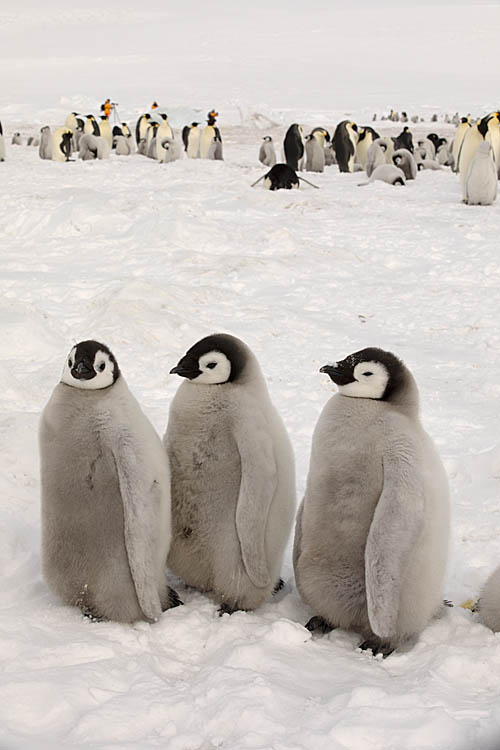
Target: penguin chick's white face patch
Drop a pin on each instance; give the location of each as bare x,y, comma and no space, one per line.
370,381
88,375
215,368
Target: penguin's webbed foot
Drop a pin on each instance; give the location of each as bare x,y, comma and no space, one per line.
318,623
377,647
173,599
226,609
448,603
278,586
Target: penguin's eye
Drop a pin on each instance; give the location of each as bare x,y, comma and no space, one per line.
368,374
70,363
101,367
211,365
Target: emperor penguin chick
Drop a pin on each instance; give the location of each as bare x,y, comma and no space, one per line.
267,153
371,536
489,602
233,479
105,494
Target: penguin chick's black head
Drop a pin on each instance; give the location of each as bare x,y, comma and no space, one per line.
90,365
219,358
370,373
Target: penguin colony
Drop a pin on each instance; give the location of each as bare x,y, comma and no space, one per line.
214,502
352,148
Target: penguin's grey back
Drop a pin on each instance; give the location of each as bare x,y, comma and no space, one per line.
83,534
489,602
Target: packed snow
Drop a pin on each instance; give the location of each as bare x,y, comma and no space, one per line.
149,258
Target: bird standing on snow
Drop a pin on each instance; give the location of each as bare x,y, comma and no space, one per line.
371,535
233,479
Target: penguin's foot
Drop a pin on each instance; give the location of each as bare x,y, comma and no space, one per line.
278,586
226,609
377,647
318,623
448,603
173,598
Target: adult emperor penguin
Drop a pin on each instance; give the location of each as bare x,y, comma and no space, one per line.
2,144
105,494
482,180
106,132
461,130
344,142
372,532
489,602
485,129
164,131
45,147
141,127
294,147
91,126
403,159
267,152
191,140
71,122
315,150
366,137
210,140
404,140
61,144
233,479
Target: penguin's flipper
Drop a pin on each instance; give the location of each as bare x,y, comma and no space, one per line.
139,502
257,488
394,530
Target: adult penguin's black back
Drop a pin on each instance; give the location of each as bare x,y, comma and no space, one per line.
344,143
293,146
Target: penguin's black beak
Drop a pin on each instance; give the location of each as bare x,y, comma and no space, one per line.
83,371
330,370
185,372
339,376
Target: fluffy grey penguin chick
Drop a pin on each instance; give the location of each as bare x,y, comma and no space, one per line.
371,535
489,602
233,478
105,494
386,173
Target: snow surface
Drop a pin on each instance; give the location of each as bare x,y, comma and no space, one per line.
149,258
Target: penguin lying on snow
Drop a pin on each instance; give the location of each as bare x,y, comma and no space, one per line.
105,494
482,181
371,534
386,173
428,164
233,478
489,602
281,176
